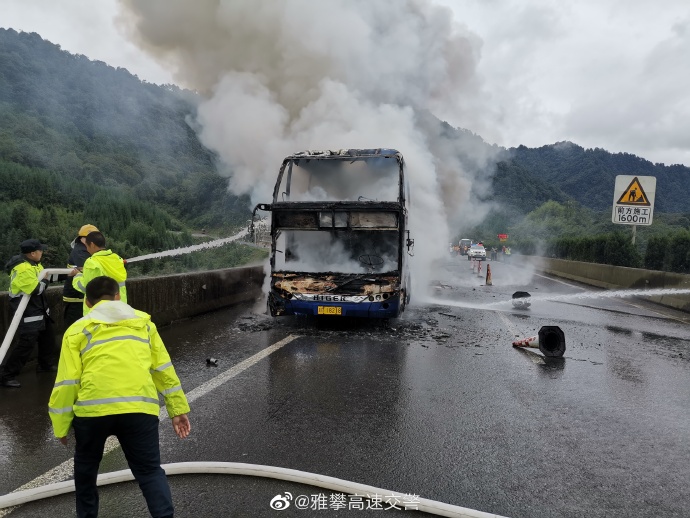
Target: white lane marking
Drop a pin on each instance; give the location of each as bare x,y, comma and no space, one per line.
536,358
65,470
665,315
514,330
216,382
558,280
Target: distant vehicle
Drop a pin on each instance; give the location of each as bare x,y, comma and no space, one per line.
465,243
339,235
477,252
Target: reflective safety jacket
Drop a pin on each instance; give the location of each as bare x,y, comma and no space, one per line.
24,280
113,362
77,258
103,262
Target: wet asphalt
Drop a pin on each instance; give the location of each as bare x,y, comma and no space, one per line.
436,404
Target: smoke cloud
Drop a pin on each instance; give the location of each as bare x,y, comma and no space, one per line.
282,76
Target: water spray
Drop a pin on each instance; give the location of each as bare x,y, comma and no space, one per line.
189,249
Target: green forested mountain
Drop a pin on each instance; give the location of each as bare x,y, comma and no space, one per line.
588,175
516,186
81,141
524,178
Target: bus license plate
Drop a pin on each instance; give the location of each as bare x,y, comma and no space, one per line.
329,310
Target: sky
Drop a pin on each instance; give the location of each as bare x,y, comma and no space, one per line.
611,74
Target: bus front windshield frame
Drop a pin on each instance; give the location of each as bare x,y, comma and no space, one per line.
356,179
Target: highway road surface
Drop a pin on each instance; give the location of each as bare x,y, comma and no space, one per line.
436,405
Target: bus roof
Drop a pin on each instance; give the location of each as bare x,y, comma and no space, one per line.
329,153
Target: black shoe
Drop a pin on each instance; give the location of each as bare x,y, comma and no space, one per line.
49,368
10,382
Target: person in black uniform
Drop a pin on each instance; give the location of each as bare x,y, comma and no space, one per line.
35,325
73,299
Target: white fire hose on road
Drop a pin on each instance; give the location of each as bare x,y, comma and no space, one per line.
254,470
20,310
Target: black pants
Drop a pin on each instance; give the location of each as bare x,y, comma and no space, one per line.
138,436
27,339
73,312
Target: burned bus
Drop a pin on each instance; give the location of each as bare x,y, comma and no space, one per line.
339,236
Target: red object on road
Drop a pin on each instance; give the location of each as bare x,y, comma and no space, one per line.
532,341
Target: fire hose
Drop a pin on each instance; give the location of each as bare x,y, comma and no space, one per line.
254,470
20,310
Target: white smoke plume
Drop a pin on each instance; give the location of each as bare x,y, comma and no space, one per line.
282,76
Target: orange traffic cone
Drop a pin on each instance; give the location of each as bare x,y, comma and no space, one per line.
550,341
488,276
479,268
532,341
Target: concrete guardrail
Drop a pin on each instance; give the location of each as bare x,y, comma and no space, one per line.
172,297
618,277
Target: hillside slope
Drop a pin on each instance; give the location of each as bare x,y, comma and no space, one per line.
82,141
588,175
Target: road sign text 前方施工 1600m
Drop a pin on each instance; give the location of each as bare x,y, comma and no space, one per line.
633,200
632,216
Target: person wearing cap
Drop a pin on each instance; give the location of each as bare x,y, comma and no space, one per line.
35,325
73,299
101,262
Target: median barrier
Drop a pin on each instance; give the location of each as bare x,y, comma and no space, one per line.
618,277
171,297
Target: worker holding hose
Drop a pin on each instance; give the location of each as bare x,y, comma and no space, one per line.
113,364
36,324
100,262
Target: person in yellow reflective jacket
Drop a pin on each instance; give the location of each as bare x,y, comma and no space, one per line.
102,262
113,364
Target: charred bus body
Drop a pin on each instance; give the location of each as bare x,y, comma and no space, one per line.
339,237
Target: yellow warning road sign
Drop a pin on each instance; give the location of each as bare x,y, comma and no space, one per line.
634,195
633,200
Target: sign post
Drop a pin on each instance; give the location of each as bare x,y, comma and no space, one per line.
633,201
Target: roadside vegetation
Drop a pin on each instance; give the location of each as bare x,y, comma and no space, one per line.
569,231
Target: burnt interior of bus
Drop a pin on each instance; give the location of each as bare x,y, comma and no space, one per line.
341,251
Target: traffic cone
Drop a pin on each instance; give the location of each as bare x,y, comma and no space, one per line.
550,341
488,276
479,268
474,266
532,341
